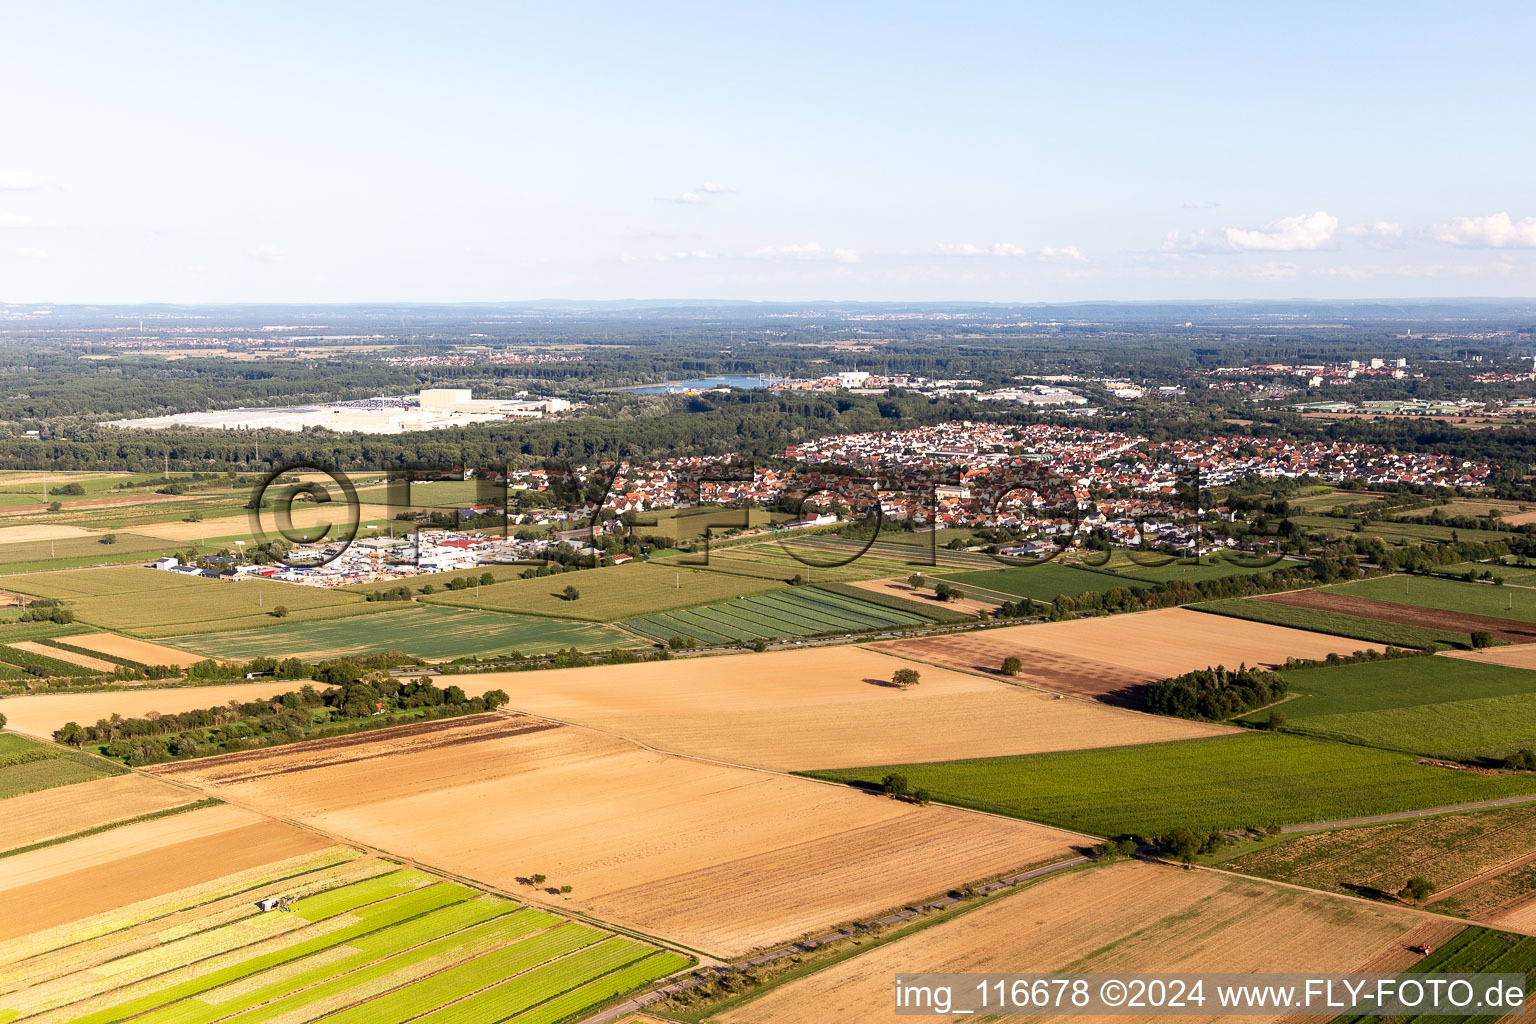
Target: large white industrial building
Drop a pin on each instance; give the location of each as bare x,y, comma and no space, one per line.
431,409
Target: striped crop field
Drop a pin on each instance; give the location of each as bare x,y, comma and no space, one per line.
800,611
366,941
425,631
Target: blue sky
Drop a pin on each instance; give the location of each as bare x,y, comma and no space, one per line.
1020,152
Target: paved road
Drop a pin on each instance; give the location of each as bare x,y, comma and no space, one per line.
694,977
1402,815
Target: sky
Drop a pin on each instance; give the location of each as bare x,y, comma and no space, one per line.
1020,152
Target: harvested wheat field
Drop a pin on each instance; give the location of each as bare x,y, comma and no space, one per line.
38,817
1128,917
59,654
1111,657
142,651
717,858
40,714
42,531
304,517
1513,656
59,884
898,587
823,708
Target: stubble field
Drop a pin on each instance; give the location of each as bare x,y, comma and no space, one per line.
40,714
1129,918
824,708
716,858
39,817
1111,657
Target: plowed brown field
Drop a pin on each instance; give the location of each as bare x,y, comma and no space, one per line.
37,817
1509,630
1130,917
824,708
58,884
718,858
1111,657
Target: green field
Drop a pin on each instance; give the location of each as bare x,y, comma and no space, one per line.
1519,575
151,603
691,523
799,611
1373,631
1491,728
1446,595
1208,568
27,766
366,942
1446,848
1043,582
1399,683
607,595
1472,951
1392,532
1220,782
426,631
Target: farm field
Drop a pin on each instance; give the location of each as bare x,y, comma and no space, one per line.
305,517
1514,656
1209,568
1398,683
141,651
798,611
1129,917
1511,513
1392,531
1502,630
607,595
42,816
41,531
1044,582
1449,850
85,661
1519,575
690,524
713,857
45,888
1445,595
42,713
1474,950
823,708
151,603
431,632
366,941
1253,779
1485,730
971,604
30,767
1110,658
1319,620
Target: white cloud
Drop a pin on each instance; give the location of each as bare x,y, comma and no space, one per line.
1289,234
267,253
687,199
1203,204
807,251
686,254
1496,231
15,182
715,188
967,249
1066,254
15,220
1380,234
1275,271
